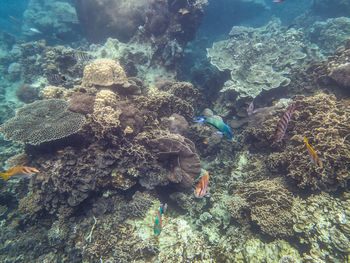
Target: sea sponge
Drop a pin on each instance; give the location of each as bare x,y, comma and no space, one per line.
104,72
42,121
81,103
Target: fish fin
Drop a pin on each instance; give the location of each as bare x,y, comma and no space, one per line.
4,176
219,132
200,119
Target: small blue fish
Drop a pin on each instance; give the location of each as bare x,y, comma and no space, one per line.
222,127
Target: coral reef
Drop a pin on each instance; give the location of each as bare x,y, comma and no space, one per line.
322,222
329,35
42,121
103,73
257,58
267,203
321,119
57,20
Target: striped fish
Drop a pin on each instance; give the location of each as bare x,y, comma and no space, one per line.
81,56
282,124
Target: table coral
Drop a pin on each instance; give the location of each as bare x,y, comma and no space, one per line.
258,59
42,121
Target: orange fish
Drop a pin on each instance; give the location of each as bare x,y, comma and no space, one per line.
314,157
19,171
202,186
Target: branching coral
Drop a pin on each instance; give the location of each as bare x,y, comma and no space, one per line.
268,203
105,114
323,120
42,121
163,104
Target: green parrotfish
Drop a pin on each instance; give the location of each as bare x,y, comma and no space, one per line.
222,127
158,226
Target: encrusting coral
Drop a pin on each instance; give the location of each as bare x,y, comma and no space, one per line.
42,121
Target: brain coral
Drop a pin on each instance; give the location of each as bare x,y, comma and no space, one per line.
42,121
104,72
258,59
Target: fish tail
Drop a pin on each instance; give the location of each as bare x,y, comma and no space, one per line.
4,176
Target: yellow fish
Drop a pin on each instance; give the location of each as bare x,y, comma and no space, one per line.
314,157
18,171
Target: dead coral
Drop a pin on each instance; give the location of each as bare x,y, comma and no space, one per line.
268,203
122,245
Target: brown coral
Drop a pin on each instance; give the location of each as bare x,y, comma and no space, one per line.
181,156
104,73
81,103
105,114
269,204
323,120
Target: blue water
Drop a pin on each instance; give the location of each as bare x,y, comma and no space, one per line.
98,98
